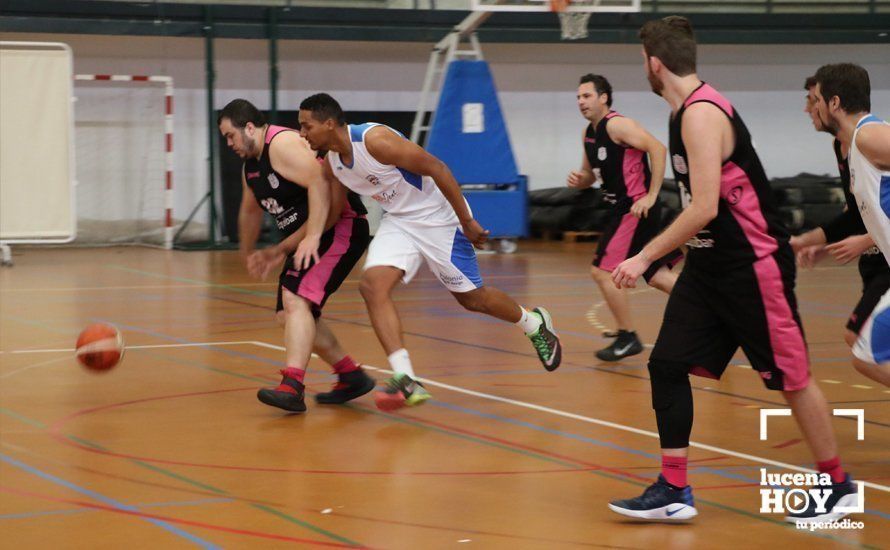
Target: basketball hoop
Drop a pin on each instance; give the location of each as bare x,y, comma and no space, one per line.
573,23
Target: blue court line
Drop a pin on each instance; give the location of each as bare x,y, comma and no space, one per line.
201,502
600,443
107,500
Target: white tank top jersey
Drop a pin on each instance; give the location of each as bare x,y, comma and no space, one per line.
871,187
402,194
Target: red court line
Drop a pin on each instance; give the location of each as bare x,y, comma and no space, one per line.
707,459
56,431
192,523
788,443
591,465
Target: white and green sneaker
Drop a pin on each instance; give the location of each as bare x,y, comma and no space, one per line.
401,391
546,341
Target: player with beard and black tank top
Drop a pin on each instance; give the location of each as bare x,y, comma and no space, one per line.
846,237
843,102
622,151
324,235
736,288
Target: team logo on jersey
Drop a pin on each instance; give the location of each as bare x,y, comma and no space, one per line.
589,140
680,164
734,195
252,175
271,206
273,181
601,153
373,180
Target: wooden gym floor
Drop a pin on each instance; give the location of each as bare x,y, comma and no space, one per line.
171,448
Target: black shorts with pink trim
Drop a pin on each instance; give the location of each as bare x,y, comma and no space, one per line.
340,249
709,315
625,235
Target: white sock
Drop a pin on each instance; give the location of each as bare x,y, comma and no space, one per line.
528,323
401,363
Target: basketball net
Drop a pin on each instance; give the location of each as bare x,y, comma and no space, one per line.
572,23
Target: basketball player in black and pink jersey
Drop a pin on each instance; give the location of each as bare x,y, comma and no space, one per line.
324,235
736,289
622,151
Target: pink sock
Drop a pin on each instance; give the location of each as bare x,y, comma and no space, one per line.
295,373
673,468
833,468
345,365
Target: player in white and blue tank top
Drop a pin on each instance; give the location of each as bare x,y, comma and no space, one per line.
427,220
843,103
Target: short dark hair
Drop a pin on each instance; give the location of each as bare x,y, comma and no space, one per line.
600,84
240,112
671,40
809,82
847,81
324,107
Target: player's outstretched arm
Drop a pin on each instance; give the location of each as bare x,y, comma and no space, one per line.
628,132
583,178
292,157
704,134
250,220
387,147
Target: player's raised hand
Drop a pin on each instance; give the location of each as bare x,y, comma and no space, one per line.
641,207
577,180
809,256
628,271
850,248
261,262
307,251
475,233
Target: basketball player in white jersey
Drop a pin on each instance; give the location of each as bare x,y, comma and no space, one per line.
427,220
843,103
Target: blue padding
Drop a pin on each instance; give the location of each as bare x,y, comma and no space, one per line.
357,131
885,194
463,257
867,120
475,158
880,337
412,178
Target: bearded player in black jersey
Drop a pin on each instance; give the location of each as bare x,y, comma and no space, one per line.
325,234
845,238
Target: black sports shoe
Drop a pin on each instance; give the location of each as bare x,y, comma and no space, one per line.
843,494
289,395
349,386
661,501
545,341
626,344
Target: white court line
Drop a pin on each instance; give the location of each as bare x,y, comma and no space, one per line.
606,423
150,346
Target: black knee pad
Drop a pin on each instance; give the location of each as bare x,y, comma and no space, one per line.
670,383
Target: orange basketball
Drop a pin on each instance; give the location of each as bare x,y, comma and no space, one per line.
100,347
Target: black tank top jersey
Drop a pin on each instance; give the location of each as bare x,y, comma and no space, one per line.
872,261
624,170
286,201
747,226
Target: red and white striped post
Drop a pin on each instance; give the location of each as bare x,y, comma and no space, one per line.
167,81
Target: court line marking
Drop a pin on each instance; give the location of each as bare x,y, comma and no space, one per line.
111,504
490,397
147,346
600,422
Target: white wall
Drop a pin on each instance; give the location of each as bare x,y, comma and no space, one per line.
536,82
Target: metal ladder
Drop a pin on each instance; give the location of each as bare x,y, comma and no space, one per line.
445,51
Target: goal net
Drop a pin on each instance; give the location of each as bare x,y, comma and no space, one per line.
123,143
